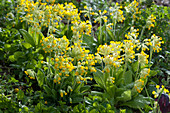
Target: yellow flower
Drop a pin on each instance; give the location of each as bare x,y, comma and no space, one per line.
26,72
16,90
157,86
45,102
55,81
153,92
61,94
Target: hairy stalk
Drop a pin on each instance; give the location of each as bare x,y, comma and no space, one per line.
105,33
68,26
100,40
115,29
137,71
151,51
48,32
143,29
125,69
148,96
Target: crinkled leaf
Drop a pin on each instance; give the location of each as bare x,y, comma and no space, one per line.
128,77
138,102
28,38
40,78
27,45
125,96
99,78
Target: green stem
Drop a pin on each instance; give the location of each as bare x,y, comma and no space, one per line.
68,27
140,110
48,32
151,50
125,69
49,65
115,29
148,96
143,29
137,70
100,40
105,33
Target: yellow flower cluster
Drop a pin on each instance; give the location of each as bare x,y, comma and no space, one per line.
51,43
150,22
29,75
132,35
139,84
128,49
110,55
159,90
116,13
40,14
132,6
88,12
80,28
155,42
142,58
101,16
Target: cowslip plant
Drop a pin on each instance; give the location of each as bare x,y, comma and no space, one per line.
68,65
63,74
121,76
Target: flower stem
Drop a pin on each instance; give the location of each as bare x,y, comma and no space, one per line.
115,29
151,50
148,96
68,26
100,40
142,32
137,70
125,69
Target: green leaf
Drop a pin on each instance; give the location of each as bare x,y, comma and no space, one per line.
135,66
27,37
152,73
119,77
20,95
125,96
18,54
27,45
128,77
47,89
85,88
96,93
123,30
12,58
99,78
40,78
138,102
88,100
111,90
40,57
7,46
89,40
93,111
34,35
110,34
77,98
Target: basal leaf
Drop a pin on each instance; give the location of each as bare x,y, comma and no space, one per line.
27,37
138,102
99,78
